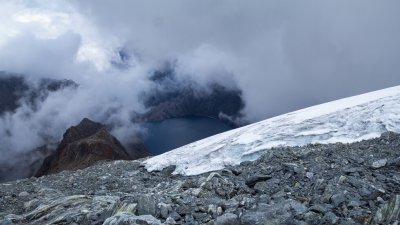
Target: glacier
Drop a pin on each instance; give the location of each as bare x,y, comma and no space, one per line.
346,120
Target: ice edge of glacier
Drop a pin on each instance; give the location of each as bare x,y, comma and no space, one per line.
346,120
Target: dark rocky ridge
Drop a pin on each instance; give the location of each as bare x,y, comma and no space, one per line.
355,183
11,89
82,146
172,98
14,88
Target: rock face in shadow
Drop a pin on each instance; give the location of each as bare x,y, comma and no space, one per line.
15,89
171,98
11,88
82,146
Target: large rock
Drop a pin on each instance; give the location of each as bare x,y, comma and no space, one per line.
81,209
82,146
389,213
215,183
130,219
227,219
278,213
147,205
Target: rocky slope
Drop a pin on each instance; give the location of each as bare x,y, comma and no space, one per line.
170,97
82,146
356,183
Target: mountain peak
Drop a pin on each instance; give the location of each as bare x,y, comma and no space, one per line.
82,146
84,129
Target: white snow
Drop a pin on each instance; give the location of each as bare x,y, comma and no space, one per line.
346,120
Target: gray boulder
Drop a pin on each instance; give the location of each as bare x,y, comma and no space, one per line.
130,219
227,219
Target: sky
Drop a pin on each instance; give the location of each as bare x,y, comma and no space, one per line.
283,55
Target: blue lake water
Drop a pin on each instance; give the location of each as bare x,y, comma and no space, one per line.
172,133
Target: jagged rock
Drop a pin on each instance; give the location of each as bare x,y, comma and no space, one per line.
309,175
342,179
215,183
23,194
253,218
168,170
175,216
379,163
81,209
396,162
252,180
227,219
147,205
268,186
126,207
320,208
338,199
389,213
278,213
170,221
82,146
330,218
164,210
130,219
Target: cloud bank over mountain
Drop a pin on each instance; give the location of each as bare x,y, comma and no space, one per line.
282,55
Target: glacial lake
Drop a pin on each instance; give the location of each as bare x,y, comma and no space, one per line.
172,133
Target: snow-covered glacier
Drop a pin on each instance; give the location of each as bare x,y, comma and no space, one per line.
346,120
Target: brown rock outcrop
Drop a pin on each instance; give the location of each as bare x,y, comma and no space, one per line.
82,146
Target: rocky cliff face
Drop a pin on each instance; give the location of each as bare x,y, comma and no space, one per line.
356,183
15,89
82,146
11,89
171,98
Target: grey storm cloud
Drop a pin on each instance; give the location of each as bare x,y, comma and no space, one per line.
283,55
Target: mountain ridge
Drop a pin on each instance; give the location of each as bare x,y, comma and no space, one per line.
82,146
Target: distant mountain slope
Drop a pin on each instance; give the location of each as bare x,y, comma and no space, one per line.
15,88
346,120
170,97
